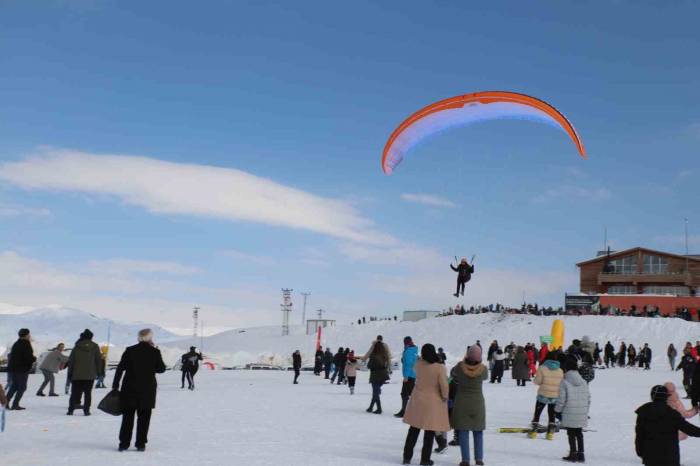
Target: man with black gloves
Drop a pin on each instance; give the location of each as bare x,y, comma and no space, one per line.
657,429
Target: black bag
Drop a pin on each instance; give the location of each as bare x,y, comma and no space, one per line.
111,403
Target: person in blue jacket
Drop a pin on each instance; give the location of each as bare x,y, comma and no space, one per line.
408,361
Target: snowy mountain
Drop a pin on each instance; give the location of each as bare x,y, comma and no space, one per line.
454,334
52,325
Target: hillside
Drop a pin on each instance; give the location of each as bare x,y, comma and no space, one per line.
59,324
454,333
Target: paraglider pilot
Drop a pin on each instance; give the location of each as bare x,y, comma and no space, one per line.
464,274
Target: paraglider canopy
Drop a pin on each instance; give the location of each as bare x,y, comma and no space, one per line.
469,108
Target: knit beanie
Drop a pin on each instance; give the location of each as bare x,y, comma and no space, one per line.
23,332
474,353
659,393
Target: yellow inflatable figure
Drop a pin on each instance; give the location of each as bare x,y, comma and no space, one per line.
557,335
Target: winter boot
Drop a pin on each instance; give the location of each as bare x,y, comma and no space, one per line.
479,463
40,393
371,407
581,457
404,402
352,390
464,463
441,444
572,458
534,428
379,408
53,394
454,442
550,431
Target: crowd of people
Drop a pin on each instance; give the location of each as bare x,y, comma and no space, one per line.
86,365
439,402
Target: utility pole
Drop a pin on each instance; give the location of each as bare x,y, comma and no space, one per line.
320,314
195,319
303,310
286,309
201,338
687,252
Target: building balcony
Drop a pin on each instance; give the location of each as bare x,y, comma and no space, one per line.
680,278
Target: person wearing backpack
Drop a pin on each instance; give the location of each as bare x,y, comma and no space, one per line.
378,362
548,377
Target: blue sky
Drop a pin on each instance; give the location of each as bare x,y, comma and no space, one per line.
158,155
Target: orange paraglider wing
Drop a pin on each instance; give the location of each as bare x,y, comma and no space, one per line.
470,108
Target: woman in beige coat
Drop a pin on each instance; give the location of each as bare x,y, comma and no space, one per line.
548,377
427,408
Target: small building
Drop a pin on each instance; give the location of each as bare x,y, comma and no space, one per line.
641,271
415,316
638,278
312,325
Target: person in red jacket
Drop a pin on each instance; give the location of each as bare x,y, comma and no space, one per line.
543,353
531,360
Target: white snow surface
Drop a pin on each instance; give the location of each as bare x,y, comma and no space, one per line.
257,418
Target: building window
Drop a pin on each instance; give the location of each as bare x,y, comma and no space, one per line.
667,290
624,265
622,289
655,264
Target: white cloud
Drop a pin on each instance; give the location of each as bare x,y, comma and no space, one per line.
13,210
406,255
124,293
257,259
131,266
567,192
188,189
487,286
428,199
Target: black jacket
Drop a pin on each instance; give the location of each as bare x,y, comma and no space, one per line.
464,271
190,361
296,360
327,358
657,434
21,357
609,351
141,363
339,359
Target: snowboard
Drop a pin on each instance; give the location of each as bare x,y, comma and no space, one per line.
527,430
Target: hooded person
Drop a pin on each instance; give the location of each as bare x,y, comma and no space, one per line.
657,430
572,406
139,365
427,408
85,360
464,274
548,377
408,361
20,361
469,409
351,371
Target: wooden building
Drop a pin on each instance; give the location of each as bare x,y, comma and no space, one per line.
641,271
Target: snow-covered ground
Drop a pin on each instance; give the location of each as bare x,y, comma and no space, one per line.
259,418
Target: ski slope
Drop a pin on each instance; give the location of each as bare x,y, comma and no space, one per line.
453,333
257,418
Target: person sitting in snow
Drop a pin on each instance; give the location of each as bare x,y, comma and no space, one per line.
464,274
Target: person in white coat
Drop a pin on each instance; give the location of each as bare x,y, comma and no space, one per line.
572,407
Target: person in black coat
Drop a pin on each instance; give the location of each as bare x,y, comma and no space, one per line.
296,364
139,364
688,365
338,363
464,274
19,365
646,356
327,362
657,429
609,355
318,361
190,366
695,386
